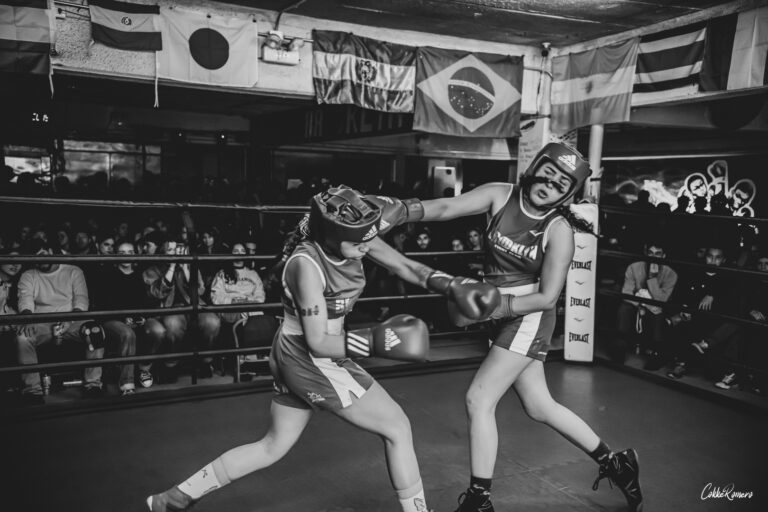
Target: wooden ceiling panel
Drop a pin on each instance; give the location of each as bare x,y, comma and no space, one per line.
560,22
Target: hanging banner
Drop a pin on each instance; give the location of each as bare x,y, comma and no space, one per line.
207,49
580,287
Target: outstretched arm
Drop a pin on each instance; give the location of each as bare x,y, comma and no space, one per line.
473,299
488,198
405,268
483,199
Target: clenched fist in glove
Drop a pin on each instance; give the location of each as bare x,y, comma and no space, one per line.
396,211
402,337
473,299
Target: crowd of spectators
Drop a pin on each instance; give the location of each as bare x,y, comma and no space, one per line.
130,285
687,329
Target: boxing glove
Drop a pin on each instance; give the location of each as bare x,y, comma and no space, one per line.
473,299
396,211
402,337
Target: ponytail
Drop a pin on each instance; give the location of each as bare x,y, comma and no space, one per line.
576,222
295,237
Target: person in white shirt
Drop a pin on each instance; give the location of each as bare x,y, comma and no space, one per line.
55,288
237,283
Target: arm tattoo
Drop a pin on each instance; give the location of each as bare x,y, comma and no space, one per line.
311,311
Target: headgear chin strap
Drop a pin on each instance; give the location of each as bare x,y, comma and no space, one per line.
569,161
342,214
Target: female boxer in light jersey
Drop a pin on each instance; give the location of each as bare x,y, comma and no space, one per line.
528,249
322,278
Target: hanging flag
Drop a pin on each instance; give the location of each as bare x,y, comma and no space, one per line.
349,69
125,26
208,49
593,87
26,28
668,64
468,94
736,51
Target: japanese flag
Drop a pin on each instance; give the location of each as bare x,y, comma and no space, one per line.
208,49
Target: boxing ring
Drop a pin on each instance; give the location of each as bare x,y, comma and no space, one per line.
111,453
111,460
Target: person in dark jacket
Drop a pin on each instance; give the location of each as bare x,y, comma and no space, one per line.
708,292
170,285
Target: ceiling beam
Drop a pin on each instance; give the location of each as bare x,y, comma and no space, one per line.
687,19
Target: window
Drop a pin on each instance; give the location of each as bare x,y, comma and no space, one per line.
27,159
117,160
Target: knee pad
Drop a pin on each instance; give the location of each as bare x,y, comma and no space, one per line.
93,334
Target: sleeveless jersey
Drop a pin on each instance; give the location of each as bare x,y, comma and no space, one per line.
514,242
343,282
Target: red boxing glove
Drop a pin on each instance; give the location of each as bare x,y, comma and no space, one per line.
474,300
396,211
402,337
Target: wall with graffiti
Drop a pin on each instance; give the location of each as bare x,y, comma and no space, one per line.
729,186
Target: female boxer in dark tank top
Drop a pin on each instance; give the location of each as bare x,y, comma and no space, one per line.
529,246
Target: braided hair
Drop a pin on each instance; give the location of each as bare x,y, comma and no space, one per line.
299,234
576,222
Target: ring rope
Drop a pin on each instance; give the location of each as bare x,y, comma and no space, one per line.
670,263
676,216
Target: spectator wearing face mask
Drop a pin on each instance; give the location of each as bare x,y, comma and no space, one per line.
709,291
120,287
644,324
236,283
749,352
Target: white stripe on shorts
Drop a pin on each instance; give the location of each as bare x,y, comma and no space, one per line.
526,334
341,380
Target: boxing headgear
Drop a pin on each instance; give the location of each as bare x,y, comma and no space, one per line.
342,214
569,161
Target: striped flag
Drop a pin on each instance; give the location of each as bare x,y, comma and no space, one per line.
736,51
349,69
125,26
594,86
26,28
668,64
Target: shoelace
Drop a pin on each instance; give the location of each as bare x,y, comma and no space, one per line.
460,500
602,472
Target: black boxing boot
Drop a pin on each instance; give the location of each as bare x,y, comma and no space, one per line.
475,500
622,469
